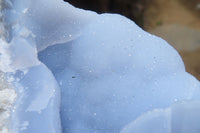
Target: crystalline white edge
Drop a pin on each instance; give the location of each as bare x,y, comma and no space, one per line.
7,97
104,70
7,92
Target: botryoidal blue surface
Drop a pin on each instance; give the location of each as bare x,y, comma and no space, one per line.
76,71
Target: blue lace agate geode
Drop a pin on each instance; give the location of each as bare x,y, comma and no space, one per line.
76,71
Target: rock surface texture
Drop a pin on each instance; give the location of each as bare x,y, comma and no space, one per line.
78,71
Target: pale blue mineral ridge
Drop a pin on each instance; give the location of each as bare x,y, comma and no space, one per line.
76,71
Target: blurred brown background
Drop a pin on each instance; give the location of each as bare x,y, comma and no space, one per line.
177,21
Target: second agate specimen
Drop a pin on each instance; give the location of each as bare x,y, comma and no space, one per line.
77,71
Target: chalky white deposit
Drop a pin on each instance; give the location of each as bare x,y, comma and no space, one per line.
77,71
7,97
